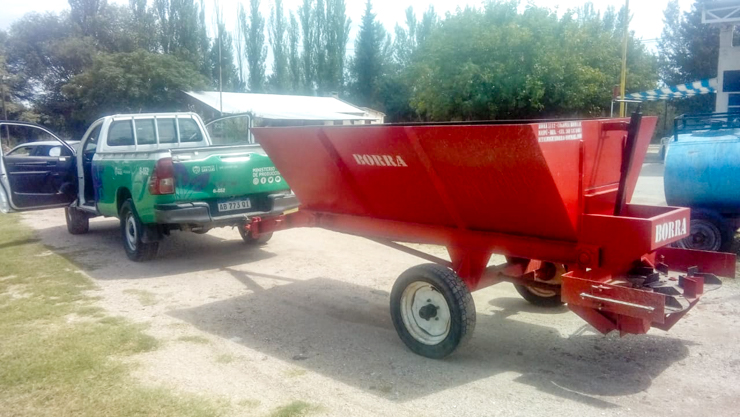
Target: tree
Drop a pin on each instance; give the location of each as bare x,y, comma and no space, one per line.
130,82
367,65
294,59
499,62
307,18
278,28
335,37
256,48
688,51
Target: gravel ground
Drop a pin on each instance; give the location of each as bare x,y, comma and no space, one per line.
306,318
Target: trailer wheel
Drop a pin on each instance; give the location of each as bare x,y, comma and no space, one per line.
709,232
132,233
432,310
539,297
251,240
78,222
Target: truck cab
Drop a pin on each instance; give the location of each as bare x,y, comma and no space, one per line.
156,172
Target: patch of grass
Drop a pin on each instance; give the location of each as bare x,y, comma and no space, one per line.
294,409
194,339
225,358
52,366
248,403
146,298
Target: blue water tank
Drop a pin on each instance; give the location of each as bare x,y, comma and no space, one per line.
702,170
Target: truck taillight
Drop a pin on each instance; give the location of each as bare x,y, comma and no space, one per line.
162,180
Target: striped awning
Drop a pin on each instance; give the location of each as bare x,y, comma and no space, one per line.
677,91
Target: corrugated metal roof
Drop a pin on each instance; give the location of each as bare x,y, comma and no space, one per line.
281,107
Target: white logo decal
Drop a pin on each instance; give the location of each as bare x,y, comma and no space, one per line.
670,230
219,190
196,170
256,181
263,180
144,170
278,178
380,160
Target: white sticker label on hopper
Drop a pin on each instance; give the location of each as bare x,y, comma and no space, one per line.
558,131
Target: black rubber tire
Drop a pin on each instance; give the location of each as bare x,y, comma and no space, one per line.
717,234
138,251
458,298
250,240
78,222
539,300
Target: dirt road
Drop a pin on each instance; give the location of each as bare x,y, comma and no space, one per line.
306,318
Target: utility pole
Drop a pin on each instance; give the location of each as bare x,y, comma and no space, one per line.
623,80
220,80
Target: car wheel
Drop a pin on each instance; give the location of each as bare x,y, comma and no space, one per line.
432,310
132,232
709,232
246,235
78,222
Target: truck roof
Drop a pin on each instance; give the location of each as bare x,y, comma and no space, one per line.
145,115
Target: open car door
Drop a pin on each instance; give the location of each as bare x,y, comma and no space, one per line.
37,169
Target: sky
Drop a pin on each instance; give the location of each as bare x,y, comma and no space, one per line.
647,21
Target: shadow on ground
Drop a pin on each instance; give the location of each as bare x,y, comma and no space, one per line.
344,332
100,252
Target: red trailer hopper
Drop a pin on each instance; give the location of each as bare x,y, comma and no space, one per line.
549,195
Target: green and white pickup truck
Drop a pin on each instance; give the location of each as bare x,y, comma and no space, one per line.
155,172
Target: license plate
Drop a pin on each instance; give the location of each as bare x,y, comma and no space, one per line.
232,205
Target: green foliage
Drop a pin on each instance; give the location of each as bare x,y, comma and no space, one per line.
280,51
294,58
370,59
256,48
500,63
133,82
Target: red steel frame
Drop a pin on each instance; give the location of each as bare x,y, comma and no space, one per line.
610,238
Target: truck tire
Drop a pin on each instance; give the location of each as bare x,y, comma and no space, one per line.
432,310
709,232
251,240
132,231
538,297
78,222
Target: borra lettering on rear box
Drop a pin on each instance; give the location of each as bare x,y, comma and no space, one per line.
669,230
380,160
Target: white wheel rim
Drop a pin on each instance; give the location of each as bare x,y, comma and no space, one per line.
425,313
541,293
131,232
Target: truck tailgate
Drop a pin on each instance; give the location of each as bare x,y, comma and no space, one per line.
223,172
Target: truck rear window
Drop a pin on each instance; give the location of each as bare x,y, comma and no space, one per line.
167,130
121,133
145,132
189,131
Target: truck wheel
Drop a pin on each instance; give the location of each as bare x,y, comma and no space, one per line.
539,297
132,231
78,222
251,240
709,232
432,310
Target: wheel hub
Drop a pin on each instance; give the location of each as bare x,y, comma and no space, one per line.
428,312
425,313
